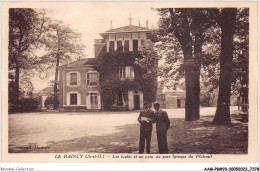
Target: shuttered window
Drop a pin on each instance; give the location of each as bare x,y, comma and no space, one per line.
93,100
92,78
73,78
73,99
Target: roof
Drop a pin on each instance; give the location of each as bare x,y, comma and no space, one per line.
98,48
177,90
82,62
77,63
91,61
45,92
129,28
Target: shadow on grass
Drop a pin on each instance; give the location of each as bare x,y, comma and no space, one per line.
184,137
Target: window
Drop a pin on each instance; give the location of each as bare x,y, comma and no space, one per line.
135,45
132,74
92,78
73,78
120,98
122,73
126,72
73,99
126,46
94,100
111,46
119,46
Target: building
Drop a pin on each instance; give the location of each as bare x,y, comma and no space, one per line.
78,86
81,87
174,98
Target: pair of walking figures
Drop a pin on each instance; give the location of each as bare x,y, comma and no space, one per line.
146,119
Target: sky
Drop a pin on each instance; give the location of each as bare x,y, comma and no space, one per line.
90,20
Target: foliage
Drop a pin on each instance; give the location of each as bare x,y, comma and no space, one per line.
60,40
110,84
49,101
26,26
204,24
182,34
211,52
240,70
149,60
26,105
201,21
61,45
208,97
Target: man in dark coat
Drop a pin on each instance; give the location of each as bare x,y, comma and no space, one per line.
145,119
162,125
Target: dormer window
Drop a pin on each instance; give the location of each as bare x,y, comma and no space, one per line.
111,46
126,72
119,46
126,46
135,45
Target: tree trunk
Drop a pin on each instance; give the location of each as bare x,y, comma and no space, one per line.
184,37
227,23
186,42
16,87
209,101
197,54
56,102
190,113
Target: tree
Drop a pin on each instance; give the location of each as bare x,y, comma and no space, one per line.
210,57
226,22
186,27
240,69
25,29
62,44
149,60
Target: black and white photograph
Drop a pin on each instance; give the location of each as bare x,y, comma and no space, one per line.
106,80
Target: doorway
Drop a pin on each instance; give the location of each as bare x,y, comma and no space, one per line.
137,102
178,103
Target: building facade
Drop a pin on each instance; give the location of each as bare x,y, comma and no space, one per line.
175,99
79,82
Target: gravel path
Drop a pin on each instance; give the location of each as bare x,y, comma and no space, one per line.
104,131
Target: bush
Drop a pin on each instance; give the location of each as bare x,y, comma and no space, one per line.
49,102
28,104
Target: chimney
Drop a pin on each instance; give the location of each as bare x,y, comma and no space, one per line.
130,20
139,23
147,24
111,24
